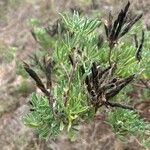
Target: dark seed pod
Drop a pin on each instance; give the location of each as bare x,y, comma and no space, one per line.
106,30
129,25
30,103
95,79
31,109
100,41
116,22
87,81
121,21
138,53
94,70
38,81
48,72
82,70
105,87
135,41
104,71
71,60
111,93
126,7
119,105
127,79
114,80
93,97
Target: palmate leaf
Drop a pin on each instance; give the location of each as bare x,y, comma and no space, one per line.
79,24
33,120
126,122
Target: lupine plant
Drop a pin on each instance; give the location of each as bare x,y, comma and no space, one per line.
85,71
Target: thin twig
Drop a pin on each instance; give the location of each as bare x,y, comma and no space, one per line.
74,64
66,94
109,56
65,70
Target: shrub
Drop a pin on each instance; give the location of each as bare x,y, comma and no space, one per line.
85,72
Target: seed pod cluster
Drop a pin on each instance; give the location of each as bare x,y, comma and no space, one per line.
118,28
102,85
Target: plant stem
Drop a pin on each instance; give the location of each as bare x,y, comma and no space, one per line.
71,75
109,55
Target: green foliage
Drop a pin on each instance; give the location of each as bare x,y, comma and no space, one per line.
20,70
80,25
24,88
9,54
41,35
41,117
33,22
77,106
126,122
71,102
146,142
